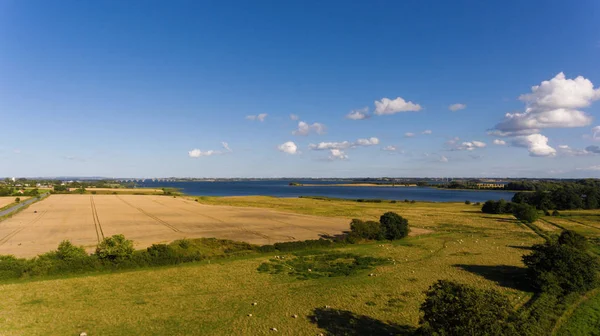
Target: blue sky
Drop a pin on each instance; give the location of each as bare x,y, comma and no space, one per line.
154,88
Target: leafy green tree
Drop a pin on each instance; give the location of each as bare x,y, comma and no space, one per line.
394,226
456,309
526,213
367,230
115,248
561,268
573,239
18,199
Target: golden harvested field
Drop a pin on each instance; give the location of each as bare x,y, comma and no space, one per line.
6,200
148,219
126,190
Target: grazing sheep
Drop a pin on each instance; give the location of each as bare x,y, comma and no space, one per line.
249,315
83,333
273,329
294,316
254,303
327,307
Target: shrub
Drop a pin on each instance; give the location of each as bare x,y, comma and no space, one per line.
467,202
115,248
546,213
525,213
478,203
17,200
184,243
69,252
367,230
555,213
497,207
455,309
93,192
413,202
406,201
393,226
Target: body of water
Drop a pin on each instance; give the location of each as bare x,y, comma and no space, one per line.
282,188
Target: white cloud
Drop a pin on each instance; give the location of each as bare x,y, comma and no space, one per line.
305,129
409,135
596,133
294,117
367,142
427,132
288,147
260,117
499,142
566,150
537,144
344,144
388,106
389,148
443,159
552,104
457,107
453,141
196,153
359,114
336,154
226,146
471,145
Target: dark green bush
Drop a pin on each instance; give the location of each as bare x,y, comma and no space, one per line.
367,230
393,226
526,213
115,248
467,202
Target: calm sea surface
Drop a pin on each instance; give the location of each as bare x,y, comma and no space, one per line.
281,188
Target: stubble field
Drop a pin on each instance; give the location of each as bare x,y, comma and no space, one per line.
147,219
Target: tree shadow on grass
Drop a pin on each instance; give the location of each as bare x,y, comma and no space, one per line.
526,248
342,322
504,275
335,237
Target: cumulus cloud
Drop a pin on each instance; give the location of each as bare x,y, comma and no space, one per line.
556,103
367,142
409,135
389,106
427,132
389,148
537,144
568,151
443,159
260,117
359,114
288,147
294,117
457,107
471,145
305,128
336,154
499,142
196,153
453,141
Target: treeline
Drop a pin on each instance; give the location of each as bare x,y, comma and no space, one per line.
560,271
525,185
584,194
12,191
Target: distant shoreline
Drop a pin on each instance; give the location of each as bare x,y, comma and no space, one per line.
352,185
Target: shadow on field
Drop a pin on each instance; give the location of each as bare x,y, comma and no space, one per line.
343,322
504,275
502,220
335,237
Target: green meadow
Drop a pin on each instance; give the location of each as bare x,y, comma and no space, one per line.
217,296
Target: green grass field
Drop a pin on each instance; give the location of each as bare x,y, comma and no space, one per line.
585,319
215,297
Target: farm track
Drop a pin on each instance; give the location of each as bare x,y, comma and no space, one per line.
158,220
97,225
580,223
6,238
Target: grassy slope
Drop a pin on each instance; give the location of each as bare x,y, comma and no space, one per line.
215,298
585,320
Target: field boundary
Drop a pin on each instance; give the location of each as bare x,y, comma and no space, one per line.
571,309
6,238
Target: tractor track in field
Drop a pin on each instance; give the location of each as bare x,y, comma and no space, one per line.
233,226
97,225
6,238
158,220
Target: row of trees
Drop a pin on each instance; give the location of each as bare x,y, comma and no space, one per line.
556,269
521,211
568,197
